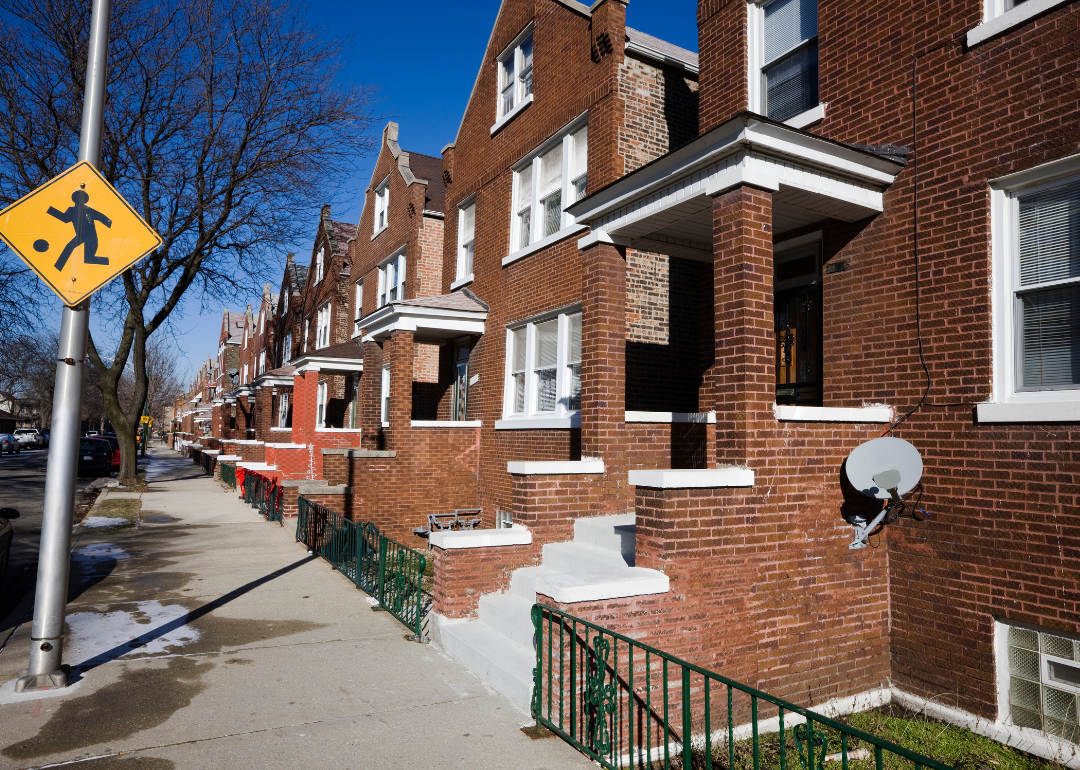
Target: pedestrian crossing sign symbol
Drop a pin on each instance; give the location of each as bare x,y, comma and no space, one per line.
76,232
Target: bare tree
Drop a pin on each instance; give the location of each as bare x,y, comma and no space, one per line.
164,381
225,123
28,372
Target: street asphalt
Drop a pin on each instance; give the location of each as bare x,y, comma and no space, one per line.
205,637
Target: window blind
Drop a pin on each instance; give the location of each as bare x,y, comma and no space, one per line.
547,344
1050,235
1050,356
581,152
524,191
551,171
468,224
519,349
788,23
791,85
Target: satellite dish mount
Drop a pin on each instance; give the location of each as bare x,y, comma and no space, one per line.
885,469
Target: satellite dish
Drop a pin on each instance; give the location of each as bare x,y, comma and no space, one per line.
883,466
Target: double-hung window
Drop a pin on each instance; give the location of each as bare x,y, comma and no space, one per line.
284,302
262,361
543,373
466,240
283,410
384,400
546,183
392,279
320,405
784,58
382,205
515,73
322,330
1037,285
286,350
359,312
319,265
307,330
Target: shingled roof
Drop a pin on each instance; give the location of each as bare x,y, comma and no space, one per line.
236,327
430,169
661,49
458,300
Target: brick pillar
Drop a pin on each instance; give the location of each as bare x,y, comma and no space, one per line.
368,397
603,369
400,358
216,421
263,411
743,375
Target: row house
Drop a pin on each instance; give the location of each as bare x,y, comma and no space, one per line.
674,291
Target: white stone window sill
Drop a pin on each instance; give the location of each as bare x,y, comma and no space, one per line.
704,478
256,466
445,423
288,446
241,441
461,282
281,429
863,414
337,430
512,114
1009,19
662,418
566,232
804,119
556,467
386,425
1032,411
539,423
481,538
379,232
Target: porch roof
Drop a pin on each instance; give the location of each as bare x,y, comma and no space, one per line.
666,207
344,358
435,319
282,376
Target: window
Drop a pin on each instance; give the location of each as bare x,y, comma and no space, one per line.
784,58
284,302
466,233
515,73
319,265
544,367
797,318
307,330
1037,286
286,349
283,410
359,312
320,405
382,205
322,328
461,383
384,400
262,361
1044,682
545,184
392,280
260,322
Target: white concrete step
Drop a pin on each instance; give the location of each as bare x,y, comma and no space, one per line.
510,616
613,533
521,581
505,666
578,557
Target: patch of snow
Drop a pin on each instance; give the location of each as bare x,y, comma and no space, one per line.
98,637
104,521
95,553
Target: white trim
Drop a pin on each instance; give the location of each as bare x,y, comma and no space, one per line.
663,418
281,429
609,584
337,430
804,119
306,363
704,478
222,458
540,423
661,58
481,538
547,240
556,467
512,114
1032,411
461,282
996,20
860,414
288,445
445,424
428,321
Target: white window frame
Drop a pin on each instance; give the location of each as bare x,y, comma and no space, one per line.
1004,218
320,405
562,367
262,361
359,312
283,409
513,51
466,259
999,17
285,302
320,259
322,326
398,261
307,331
286,349
1005,672
384,397
537,238
261,322
382,206
755,60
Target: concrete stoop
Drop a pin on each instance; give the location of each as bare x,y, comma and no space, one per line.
498,645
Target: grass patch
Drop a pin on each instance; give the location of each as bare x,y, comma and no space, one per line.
115,514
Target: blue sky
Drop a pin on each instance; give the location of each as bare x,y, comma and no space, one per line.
424,57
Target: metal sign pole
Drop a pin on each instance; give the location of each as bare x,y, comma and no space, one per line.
47,632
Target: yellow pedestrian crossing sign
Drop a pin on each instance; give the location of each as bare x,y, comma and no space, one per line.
76,232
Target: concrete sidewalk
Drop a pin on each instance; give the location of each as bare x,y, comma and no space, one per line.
208,638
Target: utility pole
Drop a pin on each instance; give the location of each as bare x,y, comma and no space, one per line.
47,633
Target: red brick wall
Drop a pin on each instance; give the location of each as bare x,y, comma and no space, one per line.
462,575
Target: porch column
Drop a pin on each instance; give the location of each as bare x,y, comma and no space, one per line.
264,402
743,376
368,393
399,356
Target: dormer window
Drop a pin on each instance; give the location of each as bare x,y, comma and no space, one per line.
515,76
319,265
382,205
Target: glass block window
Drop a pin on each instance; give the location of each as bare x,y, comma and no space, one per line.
1044,682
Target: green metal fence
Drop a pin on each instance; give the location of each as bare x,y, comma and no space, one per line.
384,568
228,474
626,704
207,462
265,495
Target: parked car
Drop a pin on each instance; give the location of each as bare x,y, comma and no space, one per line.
30,437
6,535
45,435
114,442
95,456
9,444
